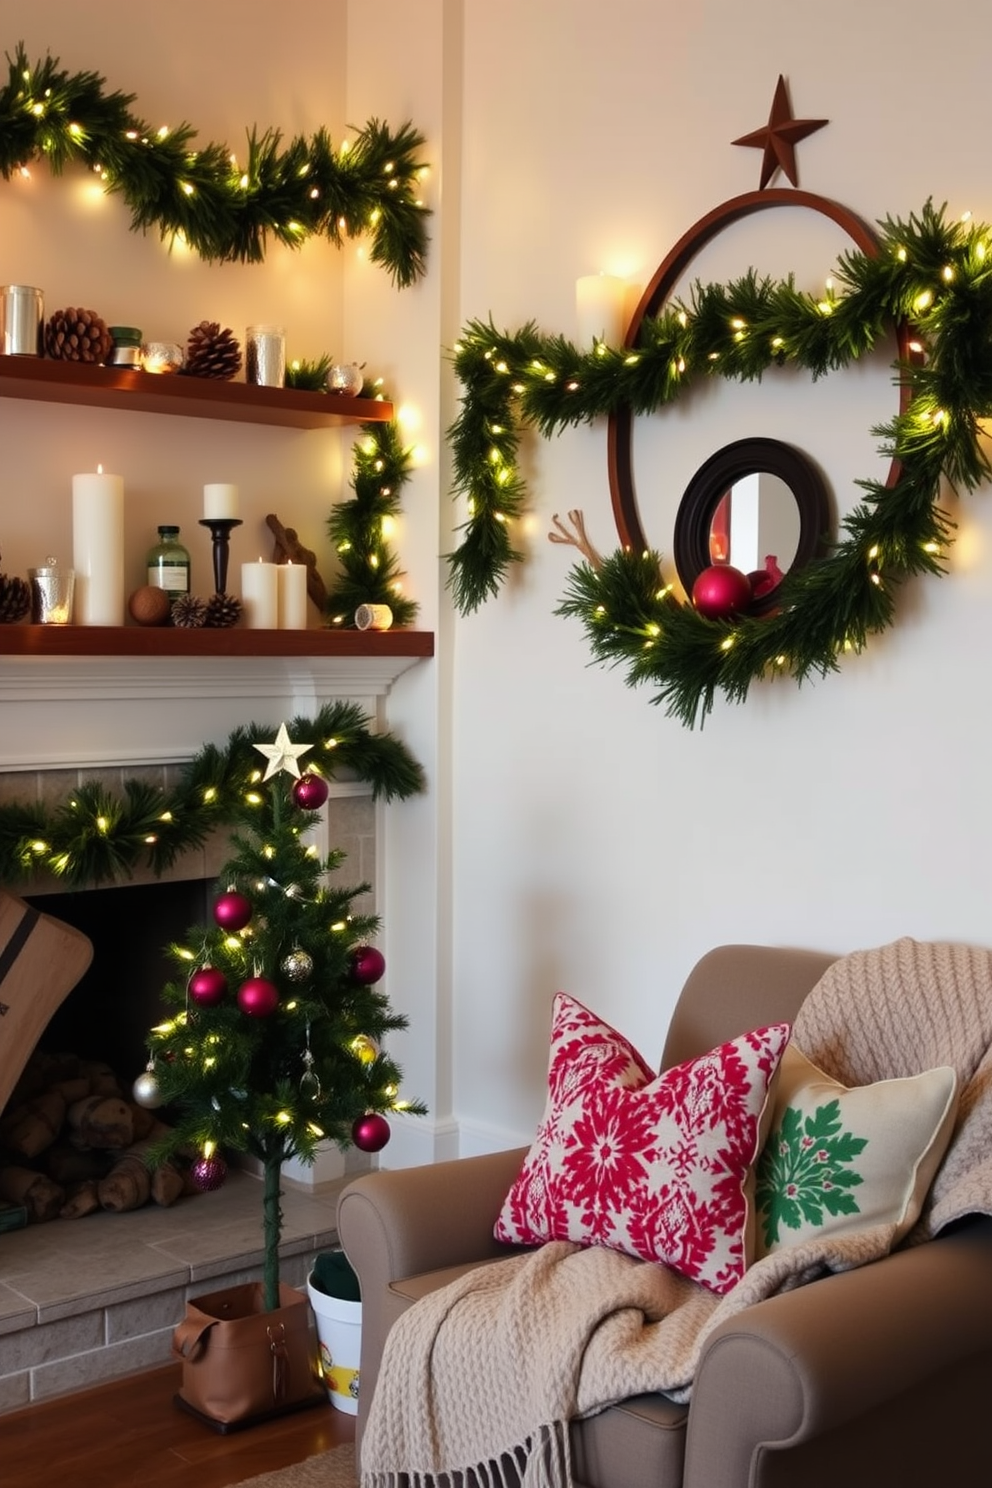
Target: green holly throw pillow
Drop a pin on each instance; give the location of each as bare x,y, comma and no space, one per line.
840,1159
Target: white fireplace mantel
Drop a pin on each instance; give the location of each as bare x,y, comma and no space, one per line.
60,712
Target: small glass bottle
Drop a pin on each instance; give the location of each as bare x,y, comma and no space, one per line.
168,564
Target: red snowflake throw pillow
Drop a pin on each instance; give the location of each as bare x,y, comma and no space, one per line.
658,1166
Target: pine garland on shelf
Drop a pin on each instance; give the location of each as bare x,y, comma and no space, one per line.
223,210
97,836
359,529
931,273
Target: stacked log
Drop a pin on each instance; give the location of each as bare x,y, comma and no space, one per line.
72,1143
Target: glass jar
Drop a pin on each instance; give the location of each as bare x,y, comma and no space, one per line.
168,564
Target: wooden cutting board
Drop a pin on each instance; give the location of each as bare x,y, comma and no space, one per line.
41,960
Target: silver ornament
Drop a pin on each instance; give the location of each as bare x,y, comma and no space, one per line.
297,966
146,1089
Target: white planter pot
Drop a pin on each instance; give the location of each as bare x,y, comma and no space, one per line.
339,1332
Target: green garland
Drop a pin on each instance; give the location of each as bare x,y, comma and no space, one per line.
224,210
97,836
931,273
358,529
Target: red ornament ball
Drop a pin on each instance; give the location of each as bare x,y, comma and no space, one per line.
370,1132
208,1173
367,965
310,792
721,591
207,986
258,997
232,910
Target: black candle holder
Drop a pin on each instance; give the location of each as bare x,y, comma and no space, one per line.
220,531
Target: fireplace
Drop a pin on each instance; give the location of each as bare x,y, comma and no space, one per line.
107,1015
98,1297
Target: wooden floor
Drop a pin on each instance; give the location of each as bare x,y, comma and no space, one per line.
130,1433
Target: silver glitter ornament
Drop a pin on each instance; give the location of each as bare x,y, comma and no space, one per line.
297,966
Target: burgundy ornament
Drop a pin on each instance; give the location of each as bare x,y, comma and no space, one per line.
207,986
721,591
370,1133
232,910
310,792
367,965
258,997
208,1173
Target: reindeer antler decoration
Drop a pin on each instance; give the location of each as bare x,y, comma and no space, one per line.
578,539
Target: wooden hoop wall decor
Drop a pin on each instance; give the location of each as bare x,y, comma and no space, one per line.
656,295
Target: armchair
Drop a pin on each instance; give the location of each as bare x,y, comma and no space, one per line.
877,1375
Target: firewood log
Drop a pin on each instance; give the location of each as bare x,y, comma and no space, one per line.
134,1176
80,1199
128,1185
30,1128
102,1079
40,1196
100,1121
69,1165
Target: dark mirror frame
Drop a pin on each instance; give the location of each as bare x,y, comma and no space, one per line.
693,521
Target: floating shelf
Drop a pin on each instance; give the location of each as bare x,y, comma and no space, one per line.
193,397
136,640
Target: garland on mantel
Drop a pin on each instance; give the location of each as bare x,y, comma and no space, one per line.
933,274
96,835
223,209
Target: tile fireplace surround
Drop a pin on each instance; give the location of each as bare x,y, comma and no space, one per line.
86,1300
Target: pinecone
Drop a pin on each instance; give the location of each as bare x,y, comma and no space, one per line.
75,335
188,612
223,611
211,352
15,599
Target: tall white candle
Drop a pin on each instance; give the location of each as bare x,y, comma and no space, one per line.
292,582
98,548
220,502
260,595
599,309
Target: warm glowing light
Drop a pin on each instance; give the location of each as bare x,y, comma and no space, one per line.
726,645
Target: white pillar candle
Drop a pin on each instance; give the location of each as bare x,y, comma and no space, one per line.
599,309
98,548
292,583
260,595
220,502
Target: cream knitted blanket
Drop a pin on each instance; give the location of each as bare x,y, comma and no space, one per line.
483,1376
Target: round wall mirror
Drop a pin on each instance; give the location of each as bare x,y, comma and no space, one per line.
759,505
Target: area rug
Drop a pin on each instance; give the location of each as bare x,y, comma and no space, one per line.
335,1469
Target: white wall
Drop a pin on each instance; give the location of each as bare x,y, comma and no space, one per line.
598,845
574,836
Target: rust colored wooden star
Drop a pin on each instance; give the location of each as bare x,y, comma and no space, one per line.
779,137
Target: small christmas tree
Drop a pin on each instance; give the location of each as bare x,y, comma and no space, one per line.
275,1042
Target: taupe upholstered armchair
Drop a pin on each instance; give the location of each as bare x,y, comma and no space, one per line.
880,1375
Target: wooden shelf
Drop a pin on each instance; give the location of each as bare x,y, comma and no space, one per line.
136,640
193,397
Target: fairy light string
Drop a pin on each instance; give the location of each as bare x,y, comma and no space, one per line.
222,207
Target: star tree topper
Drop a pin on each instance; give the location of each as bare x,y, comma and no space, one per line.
779,137
282,755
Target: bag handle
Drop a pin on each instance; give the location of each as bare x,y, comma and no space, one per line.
189,1336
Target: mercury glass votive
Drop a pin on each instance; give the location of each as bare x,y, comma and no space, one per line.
265,355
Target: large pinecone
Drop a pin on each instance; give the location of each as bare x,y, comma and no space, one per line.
212,352
15,600
223,611
188,612
76,335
